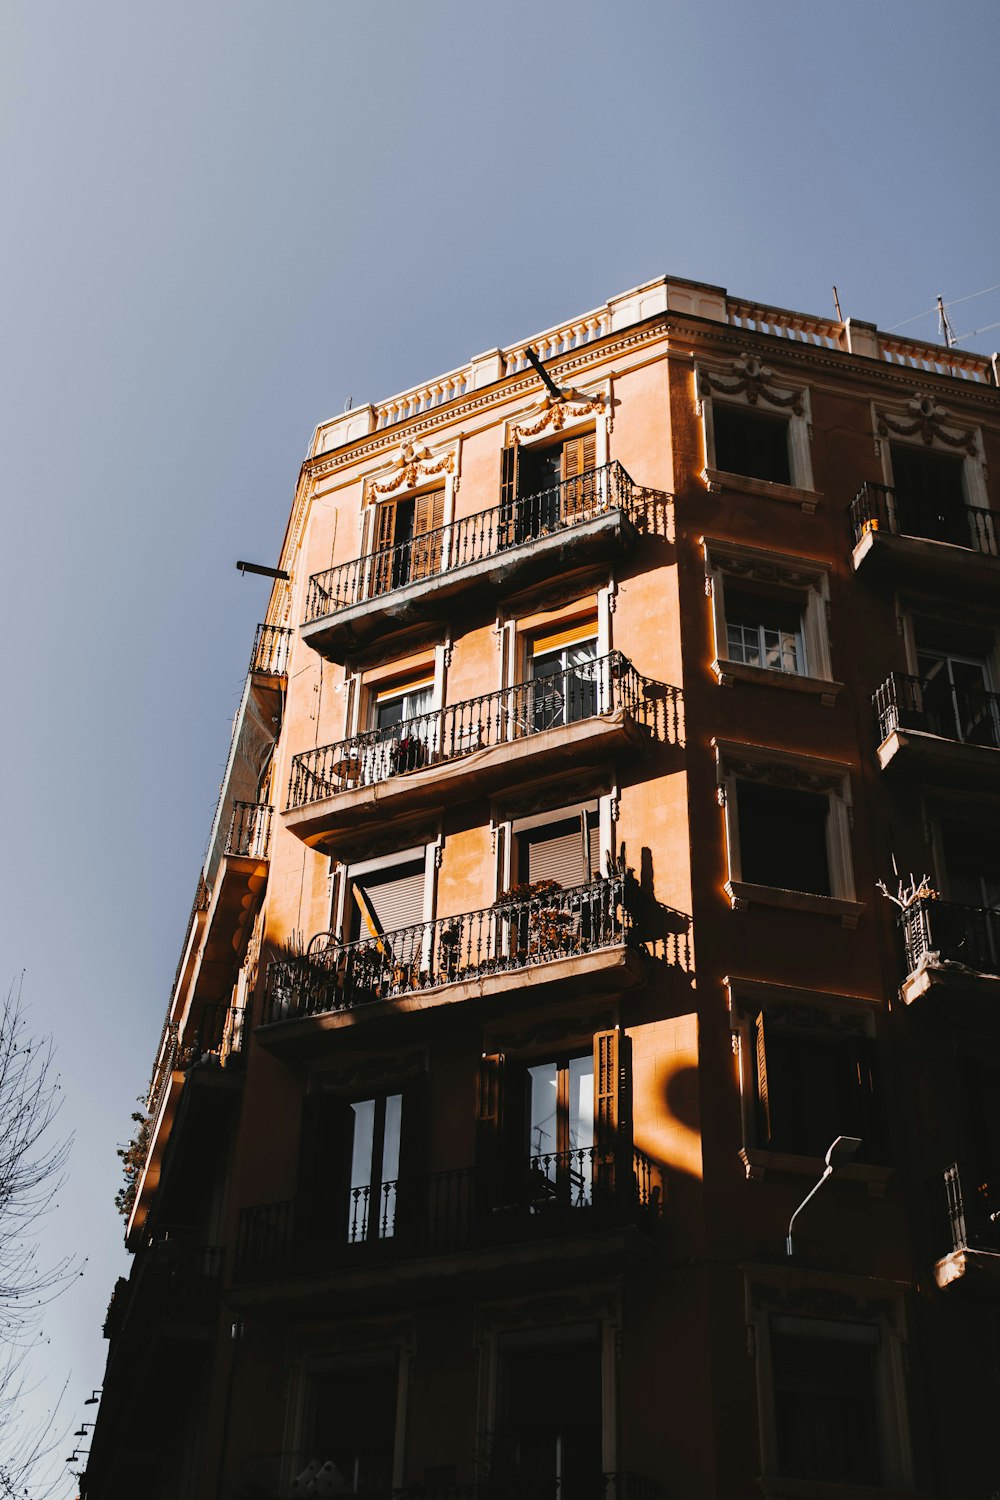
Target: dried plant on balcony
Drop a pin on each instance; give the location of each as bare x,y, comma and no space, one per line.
908,895
133,1159
551,926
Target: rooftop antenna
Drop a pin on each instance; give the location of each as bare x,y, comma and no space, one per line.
946,331
836,303
348,403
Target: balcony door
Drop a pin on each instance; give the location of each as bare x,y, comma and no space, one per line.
957,701
353,1424
972,879
929,494
406,545
564,680
549,486
549,1423
403,731
561,1131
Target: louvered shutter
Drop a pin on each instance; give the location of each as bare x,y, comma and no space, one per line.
763,1091
323,1176
608,1112
579,460
385,535
428,516
556,853
508,494
489,1123
394,897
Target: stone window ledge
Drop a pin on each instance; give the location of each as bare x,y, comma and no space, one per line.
721,479
822,688
743,893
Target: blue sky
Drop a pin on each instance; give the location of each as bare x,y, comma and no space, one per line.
223,220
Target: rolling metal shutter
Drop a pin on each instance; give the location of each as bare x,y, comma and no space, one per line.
394,897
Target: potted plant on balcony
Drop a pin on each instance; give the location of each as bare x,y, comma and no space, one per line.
408,753
541,925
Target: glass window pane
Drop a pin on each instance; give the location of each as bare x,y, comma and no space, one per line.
581,1103
361,1151
543,1082
390,1143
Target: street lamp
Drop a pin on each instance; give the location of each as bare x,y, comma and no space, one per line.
841,1151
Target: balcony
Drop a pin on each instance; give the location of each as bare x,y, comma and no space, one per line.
271,647
968,1220
260,1479
174,1278
414,584
602,708
582,940
950,947
550,1197
937,730
900,540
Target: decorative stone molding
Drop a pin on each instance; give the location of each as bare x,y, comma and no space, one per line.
413,465
553,415
754,381
924,418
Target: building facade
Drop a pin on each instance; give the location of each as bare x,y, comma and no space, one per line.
541,957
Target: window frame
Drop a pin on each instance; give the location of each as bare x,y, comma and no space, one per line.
791,580
816,1012
919,423
746,382
837,1301
310,1367
739,761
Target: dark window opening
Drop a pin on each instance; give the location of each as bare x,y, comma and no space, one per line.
762,631
549,1425
783,837
353,1427
929,494
753,443
825,1400
810,1089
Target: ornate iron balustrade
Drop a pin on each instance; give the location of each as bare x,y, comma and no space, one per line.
968,1210
470,539
970,715
968,935
172,1275
513,934
250,830
218,1038
514,1484
877,507
271,646
586,690
549,1195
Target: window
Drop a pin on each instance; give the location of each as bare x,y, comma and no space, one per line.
929,494
955,698
763,632
349,1171
406,541
751,442
403,730
549,1415
787,830
351,1425
769,614
812,1085
783,837
564,677
552,1128
826,1406
386,899
548,485
566,850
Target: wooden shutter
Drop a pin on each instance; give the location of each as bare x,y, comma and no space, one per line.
579,459
608,1111
394,897
323,1185
384,537
508,494
428,516
763,1091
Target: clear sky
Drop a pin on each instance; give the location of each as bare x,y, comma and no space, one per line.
223,219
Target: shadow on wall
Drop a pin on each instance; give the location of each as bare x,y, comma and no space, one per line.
665,932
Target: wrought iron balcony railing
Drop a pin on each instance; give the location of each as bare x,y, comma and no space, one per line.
587,690
877,507
172,1275
250,830
968,1210
471,539
968,935
542,1197
516,933
969,713
270,650
514,1482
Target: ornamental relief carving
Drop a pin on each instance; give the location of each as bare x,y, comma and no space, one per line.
551,1032
750,378
553,415
806,1018
822,1302
413,465
385,1067
928,421
777,774
759,571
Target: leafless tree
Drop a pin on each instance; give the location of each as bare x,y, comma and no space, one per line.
33,1157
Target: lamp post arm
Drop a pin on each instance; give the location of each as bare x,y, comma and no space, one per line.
827,1172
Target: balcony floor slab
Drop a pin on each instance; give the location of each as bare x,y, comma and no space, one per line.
934,759
884,556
